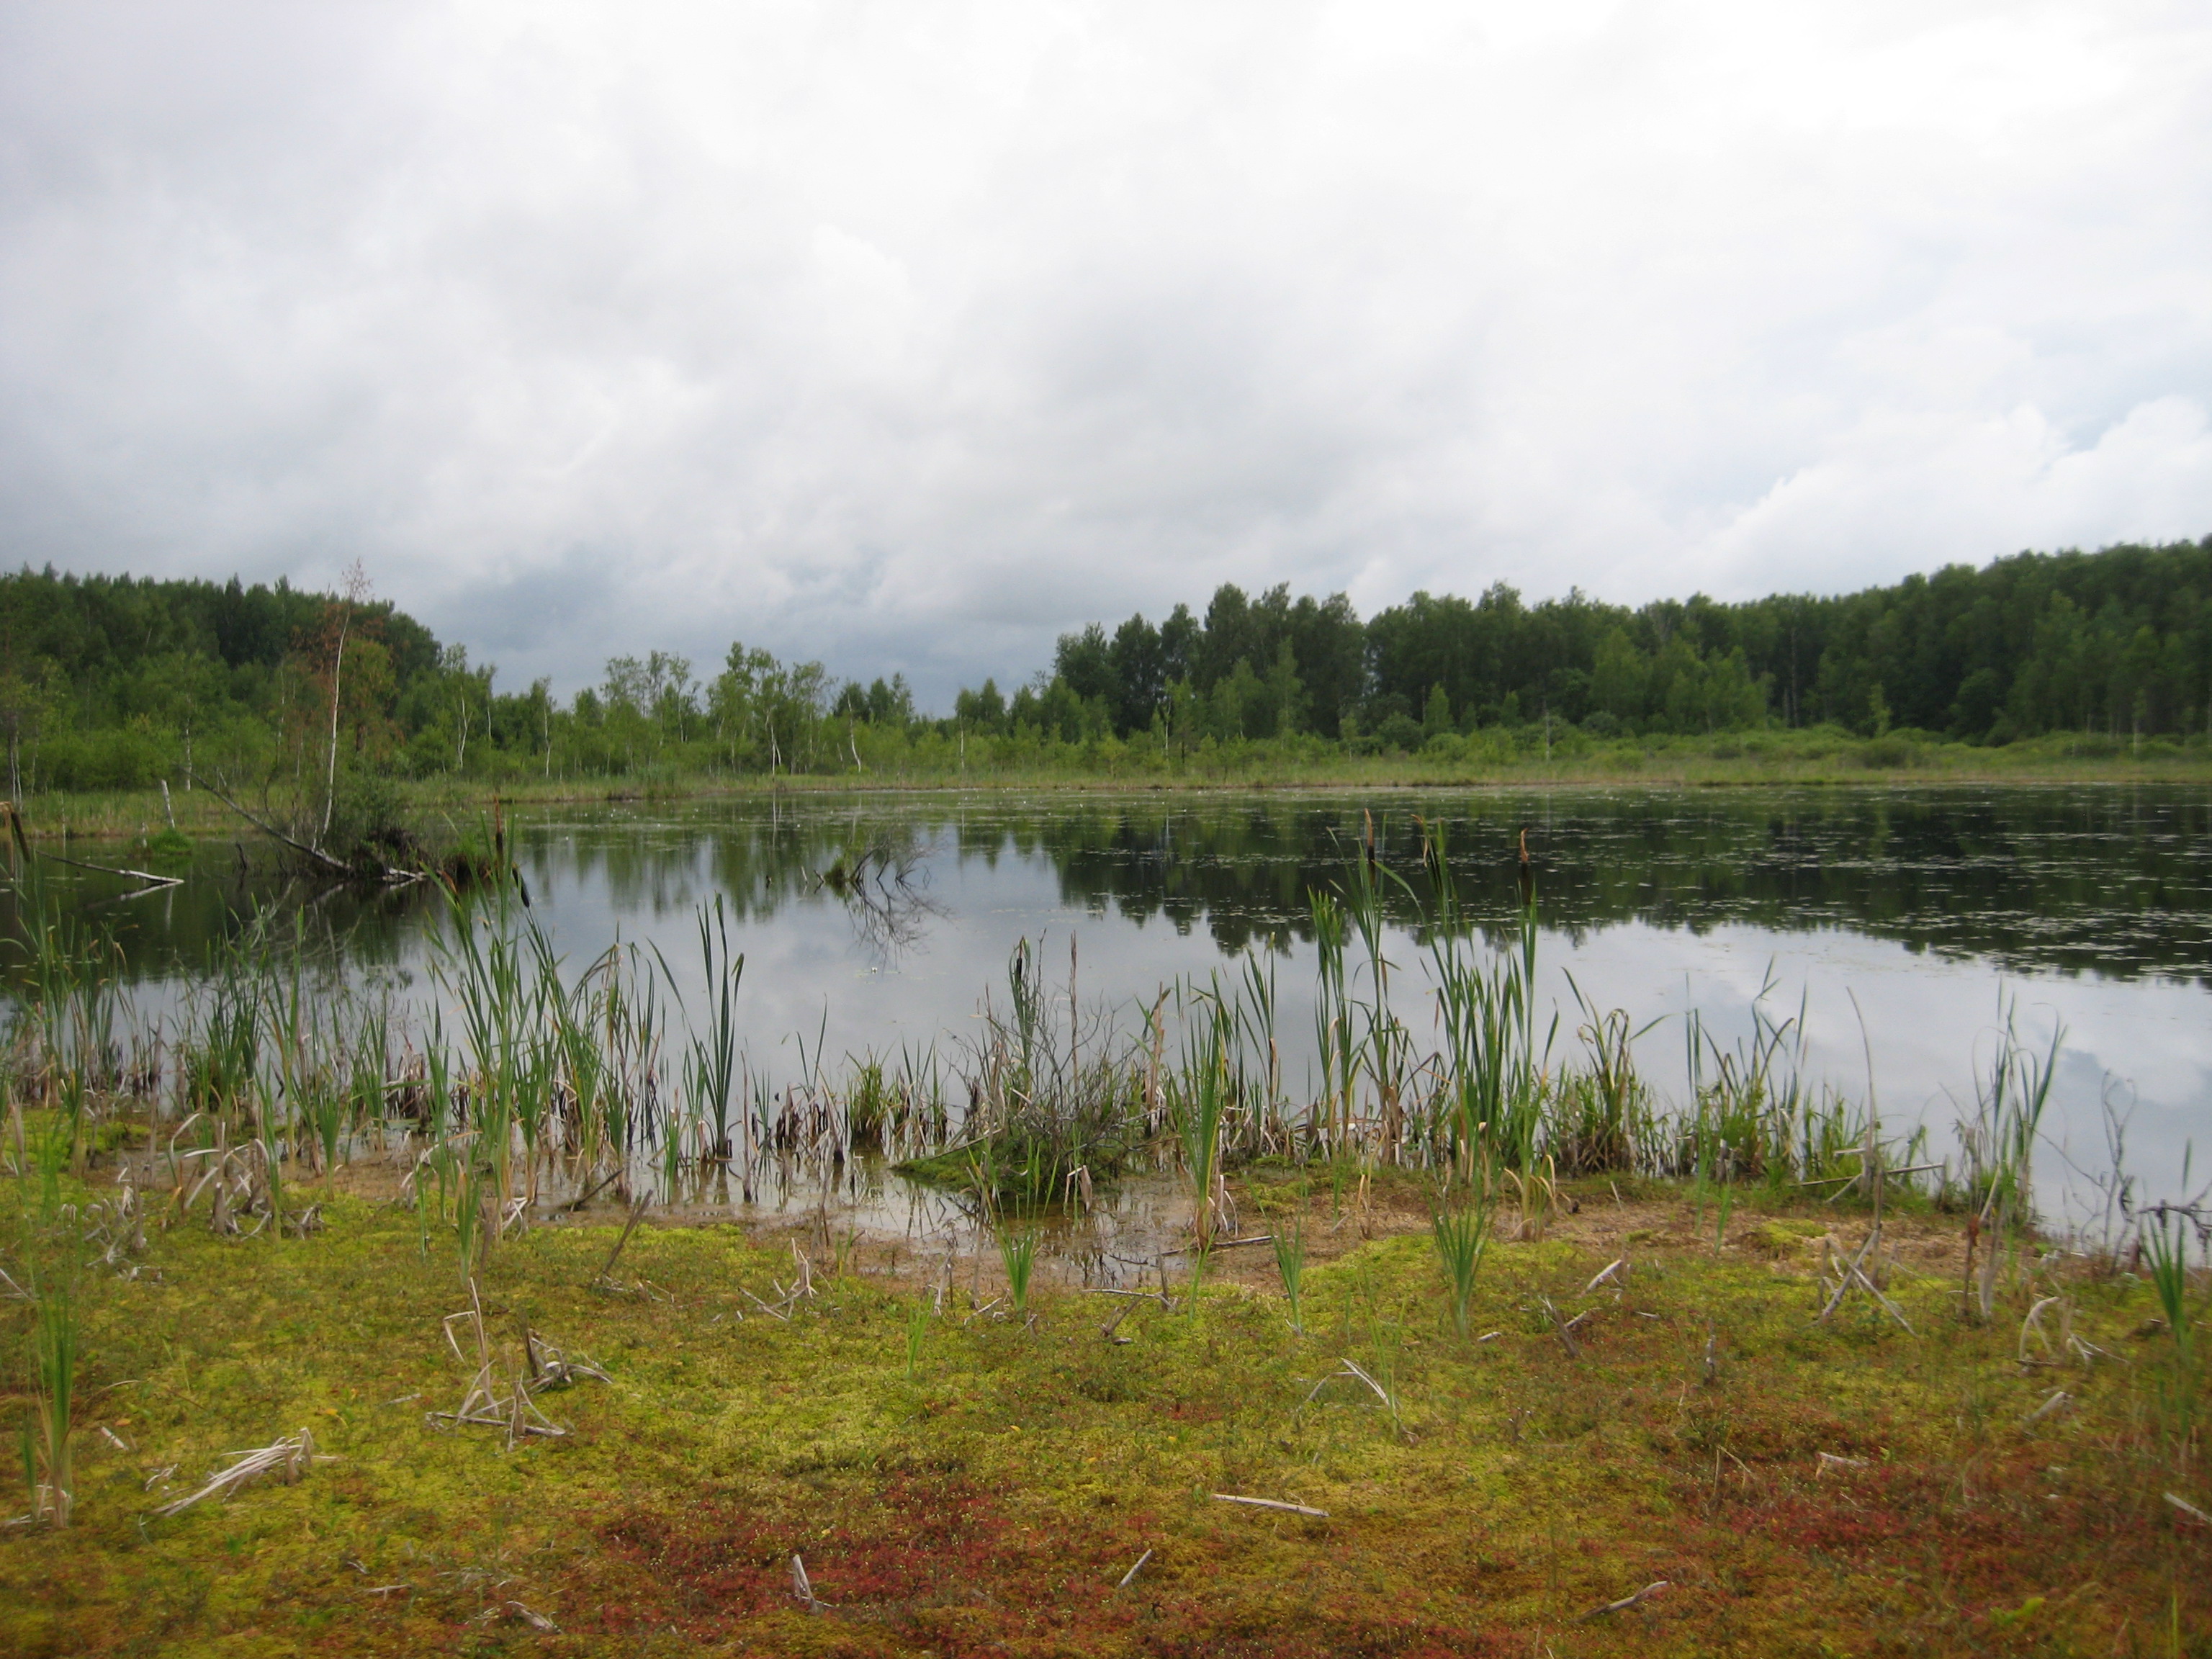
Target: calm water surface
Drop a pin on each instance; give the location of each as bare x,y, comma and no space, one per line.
2083,910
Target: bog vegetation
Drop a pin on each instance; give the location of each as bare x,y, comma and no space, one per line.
350,1322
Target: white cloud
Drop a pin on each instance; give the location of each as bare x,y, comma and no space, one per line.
909,336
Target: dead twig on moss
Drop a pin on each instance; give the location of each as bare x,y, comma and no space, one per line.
1614,1266
1563,1329
1628,1602
2058,1402
1260,1503
1854,1272
289,1458
803,1588
516,1412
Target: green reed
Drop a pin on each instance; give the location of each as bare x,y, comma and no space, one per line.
1493,1104
2166,1254
1385,1045
710,1063
48,1462
1332,1018
917,1327
1200,1102
1290,1243
1461,1230
1999,1144
1017,1254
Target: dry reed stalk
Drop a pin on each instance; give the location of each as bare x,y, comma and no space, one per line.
1854,1272
803,1588
1563,1329
517,1414
600,1280
291,1457
1258,1503
1628,1602
2059,1400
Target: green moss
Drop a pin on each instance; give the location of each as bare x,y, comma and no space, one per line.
992,1500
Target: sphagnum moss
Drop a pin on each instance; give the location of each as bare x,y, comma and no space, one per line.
1800,1488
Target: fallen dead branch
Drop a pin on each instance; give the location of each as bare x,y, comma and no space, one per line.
390,875
153,882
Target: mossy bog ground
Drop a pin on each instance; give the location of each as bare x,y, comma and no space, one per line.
1799,1488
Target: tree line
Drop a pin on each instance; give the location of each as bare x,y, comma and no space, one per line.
116,683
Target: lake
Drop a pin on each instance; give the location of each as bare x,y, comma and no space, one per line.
1906,925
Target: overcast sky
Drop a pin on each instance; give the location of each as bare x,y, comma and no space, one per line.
910,335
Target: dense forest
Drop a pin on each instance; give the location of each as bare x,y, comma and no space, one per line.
115,682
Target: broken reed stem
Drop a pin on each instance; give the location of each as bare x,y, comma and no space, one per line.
636,1215
1257,1504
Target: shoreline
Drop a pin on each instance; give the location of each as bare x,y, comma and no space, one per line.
126,815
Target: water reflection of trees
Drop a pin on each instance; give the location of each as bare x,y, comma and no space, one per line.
180,930
2115,882
2111,881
